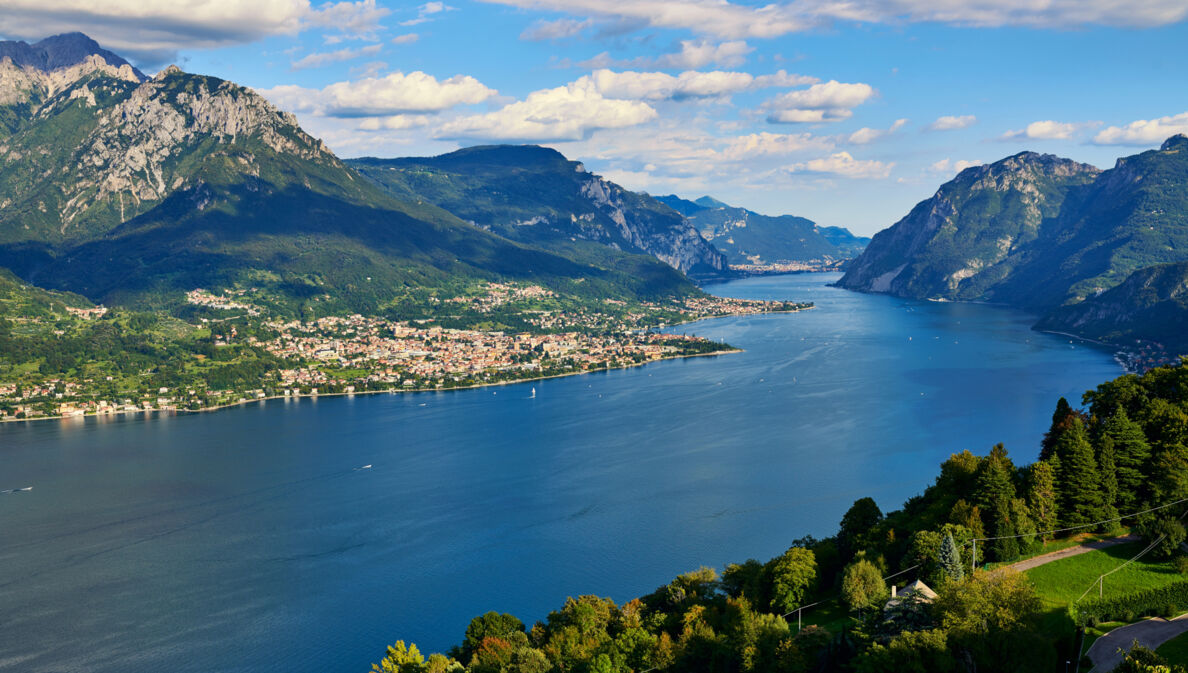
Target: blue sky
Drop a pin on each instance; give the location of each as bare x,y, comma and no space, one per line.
844,112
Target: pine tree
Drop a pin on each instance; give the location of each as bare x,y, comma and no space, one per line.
1109,483
1078,481
1042,496
1170,470
994,480
1006,547
1132,456
1061,419
950,559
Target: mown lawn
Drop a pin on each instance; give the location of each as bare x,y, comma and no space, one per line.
1062,582
1175,650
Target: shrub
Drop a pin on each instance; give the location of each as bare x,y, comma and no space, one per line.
1181,564
1157,600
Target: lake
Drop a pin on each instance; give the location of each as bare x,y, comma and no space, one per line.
247,540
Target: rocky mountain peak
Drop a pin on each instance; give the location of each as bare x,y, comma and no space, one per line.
59,52
1176,142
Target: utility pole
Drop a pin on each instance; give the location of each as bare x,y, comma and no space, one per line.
973,557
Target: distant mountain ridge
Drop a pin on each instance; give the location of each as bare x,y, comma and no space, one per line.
1040,232
133,191
748,237
538,196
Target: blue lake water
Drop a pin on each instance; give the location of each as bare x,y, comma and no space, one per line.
245,540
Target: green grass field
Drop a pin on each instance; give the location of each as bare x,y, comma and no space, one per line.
1175,650
1062,582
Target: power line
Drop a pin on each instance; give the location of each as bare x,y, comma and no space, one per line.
1083,525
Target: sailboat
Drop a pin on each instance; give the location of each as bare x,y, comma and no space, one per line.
533,395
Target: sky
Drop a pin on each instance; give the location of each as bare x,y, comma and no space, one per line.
847,112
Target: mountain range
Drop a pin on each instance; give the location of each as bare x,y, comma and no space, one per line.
536,196
130,190
1095,252
748,237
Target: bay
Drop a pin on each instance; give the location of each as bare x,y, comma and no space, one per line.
248,540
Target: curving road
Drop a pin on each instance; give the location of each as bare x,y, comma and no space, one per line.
1108,650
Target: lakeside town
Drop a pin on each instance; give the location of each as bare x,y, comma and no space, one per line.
356,354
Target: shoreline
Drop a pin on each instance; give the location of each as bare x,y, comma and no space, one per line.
391,391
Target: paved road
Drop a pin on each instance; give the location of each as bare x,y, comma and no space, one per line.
1040,560
1108,650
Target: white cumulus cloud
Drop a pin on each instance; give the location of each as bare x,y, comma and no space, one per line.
948,166
1044,130
396,93
844,165
824,102
1144,131
570,112
952,122
756,145
868,135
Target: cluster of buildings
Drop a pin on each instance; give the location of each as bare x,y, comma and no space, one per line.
225,300
342,354
1144,355
428,356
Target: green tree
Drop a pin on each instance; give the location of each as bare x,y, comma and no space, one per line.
401,659
793,576
490,625
1169,469
1062,418
862,585
1107,466
1005,546
1131,457
1042,496
1079,483
994,480
950,559
857,523
924,550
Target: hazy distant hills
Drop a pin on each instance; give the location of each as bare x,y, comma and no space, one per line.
1042,233
750,238
133,190
537,196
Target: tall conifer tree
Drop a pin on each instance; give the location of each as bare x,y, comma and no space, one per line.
1078,481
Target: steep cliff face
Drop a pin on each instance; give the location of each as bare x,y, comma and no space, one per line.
973,233
106,147
1151,304
536,195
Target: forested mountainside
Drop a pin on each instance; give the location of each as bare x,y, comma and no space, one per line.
535,195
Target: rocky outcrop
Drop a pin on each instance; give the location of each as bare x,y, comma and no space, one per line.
120,144
972,233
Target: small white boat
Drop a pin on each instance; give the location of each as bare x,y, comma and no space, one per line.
533,395
27,488
365,467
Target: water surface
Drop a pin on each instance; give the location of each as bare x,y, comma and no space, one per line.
246,540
